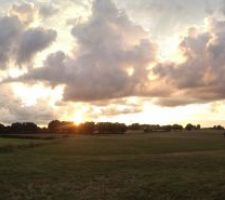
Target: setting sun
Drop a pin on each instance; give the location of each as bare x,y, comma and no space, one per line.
78,118
79,114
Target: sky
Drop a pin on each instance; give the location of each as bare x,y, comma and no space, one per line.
145,61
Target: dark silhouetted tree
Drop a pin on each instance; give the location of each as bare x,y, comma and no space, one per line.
86,128
111,128
2,128
26,127
135,127
167,128
54,126
67,128
218,127
30,127
58,127
189,127
198,127
177,127
16,127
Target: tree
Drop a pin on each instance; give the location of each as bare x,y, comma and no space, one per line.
54,126
86,128
2,128
147,129
189,127
198,127
135,127
67,128
26,127
167,128
30,127
219,127
177,127
59,127
16,127
111,128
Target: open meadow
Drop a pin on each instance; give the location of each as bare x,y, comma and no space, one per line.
171,166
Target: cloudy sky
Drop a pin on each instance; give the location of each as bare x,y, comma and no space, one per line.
141,61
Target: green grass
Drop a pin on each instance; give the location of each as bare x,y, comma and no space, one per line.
120,167
9,141
12,144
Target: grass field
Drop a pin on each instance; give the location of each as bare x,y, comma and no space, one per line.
12,144
117,167
16,141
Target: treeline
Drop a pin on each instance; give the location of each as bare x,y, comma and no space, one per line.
86,128
63,127
20,128
147,128
168,128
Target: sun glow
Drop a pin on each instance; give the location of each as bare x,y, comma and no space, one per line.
79,115
31,95
130,71
78,118
169,50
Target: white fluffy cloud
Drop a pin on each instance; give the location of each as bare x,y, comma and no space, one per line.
25,12
13,109
113,57
19,42
10,30
200,78
111,62
32,41
48,10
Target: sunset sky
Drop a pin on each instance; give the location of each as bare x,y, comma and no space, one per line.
146,61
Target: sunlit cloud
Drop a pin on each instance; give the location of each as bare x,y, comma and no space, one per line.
30,95
110,60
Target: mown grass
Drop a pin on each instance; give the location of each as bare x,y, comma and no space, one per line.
14,141
10,144
34,136
121,167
